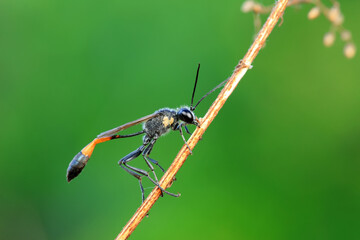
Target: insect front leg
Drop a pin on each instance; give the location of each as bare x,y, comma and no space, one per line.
182,135
187,130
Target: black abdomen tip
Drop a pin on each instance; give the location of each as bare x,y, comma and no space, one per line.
76,166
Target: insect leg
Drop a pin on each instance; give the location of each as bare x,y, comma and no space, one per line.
145,156
130,157
139,178
187,130
138,171
182,135
145,153
146,174
155,162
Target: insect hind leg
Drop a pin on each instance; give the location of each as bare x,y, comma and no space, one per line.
130,157
146,174
139,178
136,172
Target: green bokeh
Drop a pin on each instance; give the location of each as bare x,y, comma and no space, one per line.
281,160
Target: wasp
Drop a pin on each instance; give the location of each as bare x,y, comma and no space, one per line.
154,126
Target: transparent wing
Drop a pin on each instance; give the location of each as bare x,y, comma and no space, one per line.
126,125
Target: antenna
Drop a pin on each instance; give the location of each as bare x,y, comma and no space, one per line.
196,79
218,86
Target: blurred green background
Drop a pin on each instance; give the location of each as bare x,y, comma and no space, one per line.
281,160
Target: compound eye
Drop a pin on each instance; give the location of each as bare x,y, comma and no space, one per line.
186,115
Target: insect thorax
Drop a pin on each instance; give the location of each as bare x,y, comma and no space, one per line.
161,124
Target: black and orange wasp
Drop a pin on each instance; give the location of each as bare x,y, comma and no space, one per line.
154,126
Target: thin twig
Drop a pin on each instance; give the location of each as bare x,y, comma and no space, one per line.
237,75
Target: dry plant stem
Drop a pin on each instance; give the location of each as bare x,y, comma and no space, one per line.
233,81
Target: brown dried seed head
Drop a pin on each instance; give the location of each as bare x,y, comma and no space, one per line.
339,20
314,13
333,13
257,8
247,6
329,39
349,50
335,16
345,35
